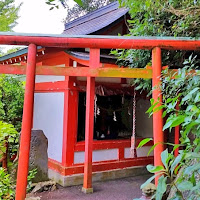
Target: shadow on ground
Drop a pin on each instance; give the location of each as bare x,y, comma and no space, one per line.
120,189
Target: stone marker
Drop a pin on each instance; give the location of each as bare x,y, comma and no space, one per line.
148,191
38,155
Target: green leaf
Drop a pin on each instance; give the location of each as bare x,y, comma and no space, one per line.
169,100
189,95
3,149
79,2
174,121
161,188
167,125
192,168
192,155
178,120
177,168
158,108
164,114
193,179
190,126
164,157
144,141
176,146
197,98
176,162
185,185
154,169
152,148
195,188
153,105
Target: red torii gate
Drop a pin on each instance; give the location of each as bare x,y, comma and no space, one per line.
95,43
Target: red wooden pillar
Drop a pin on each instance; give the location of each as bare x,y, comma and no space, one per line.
70,120
157,116
26,124
89,126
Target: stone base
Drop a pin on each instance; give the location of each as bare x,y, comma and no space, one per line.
87,190
77,179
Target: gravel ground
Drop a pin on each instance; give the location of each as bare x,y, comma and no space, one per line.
120,189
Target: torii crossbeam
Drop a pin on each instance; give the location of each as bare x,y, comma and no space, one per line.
95,43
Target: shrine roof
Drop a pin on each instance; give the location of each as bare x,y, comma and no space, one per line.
96,20
17,53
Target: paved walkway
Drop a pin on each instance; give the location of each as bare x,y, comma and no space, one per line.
121,189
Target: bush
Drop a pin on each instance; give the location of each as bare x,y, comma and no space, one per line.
6,185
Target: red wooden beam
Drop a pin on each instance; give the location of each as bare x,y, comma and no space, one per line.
110,144
158,134
104,42
80,71
100,166
26,125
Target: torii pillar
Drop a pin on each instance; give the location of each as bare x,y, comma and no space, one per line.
89,123
158,134
27,120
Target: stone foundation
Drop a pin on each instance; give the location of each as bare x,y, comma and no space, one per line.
77,179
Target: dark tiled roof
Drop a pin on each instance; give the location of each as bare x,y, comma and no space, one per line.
96,20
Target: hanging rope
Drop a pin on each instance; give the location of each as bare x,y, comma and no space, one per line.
133,137
95,108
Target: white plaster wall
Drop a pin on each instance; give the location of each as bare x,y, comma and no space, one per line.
48,116
144,124
141,152
42,78
97,155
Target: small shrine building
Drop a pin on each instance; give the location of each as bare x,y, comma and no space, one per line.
84,103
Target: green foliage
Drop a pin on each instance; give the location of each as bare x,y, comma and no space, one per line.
178,18
8,134
8,15
9,51
31,176
184,182
181,87
143,142
53,3
81,7
164,17
6,185
87,6
11,107
11,100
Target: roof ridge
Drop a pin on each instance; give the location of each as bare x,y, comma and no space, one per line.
91,19
86,16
